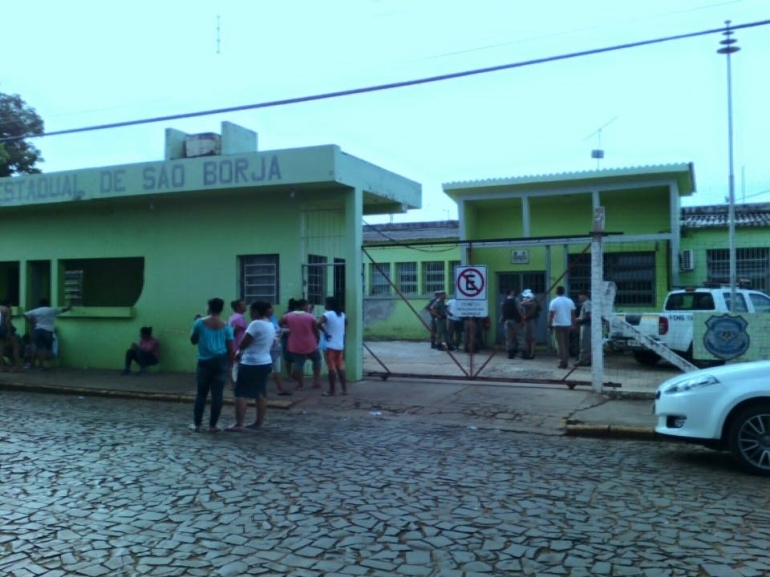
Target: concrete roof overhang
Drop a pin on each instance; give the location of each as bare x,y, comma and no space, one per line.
645,177
312,172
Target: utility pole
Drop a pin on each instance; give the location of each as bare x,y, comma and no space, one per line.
728,48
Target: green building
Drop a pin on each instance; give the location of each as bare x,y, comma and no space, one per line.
534,232
148,244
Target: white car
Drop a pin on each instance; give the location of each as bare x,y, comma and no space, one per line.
724,408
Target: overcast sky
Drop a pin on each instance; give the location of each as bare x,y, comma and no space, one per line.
86,62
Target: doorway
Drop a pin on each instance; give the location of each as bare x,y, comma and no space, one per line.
518,281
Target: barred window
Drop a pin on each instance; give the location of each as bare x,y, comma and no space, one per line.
378,279
751,264
433,276
316,279
632,272
406,277
259,278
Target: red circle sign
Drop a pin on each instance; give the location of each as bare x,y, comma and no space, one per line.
470,283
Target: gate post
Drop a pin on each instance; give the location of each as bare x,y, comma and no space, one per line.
597,300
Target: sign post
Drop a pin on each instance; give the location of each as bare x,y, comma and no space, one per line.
471,291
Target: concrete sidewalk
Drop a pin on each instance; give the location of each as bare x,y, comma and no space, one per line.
542,409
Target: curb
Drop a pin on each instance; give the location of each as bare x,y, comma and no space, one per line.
174,398
611,432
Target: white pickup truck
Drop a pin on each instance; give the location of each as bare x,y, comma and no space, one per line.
673,327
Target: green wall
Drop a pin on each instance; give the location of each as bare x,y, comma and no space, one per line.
190,248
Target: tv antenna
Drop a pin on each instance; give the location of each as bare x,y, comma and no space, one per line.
598,152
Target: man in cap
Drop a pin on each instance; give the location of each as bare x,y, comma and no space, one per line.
531,309
513,322
584,325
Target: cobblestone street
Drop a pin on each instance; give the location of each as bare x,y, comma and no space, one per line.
94,486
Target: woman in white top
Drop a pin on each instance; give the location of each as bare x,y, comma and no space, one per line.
333,323
255,364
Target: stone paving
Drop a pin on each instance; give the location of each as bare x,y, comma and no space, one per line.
94,486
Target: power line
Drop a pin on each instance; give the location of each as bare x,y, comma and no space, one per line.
389,86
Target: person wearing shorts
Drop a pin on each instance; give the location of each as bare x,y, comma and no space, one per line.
42,333
333,324
254,366
276,354
302,342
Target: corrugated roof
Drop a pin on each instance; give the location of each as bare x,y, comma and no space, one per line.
716,216
436,230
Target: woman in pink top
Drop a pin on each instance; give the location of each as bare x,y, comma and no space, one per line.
303,343
145,353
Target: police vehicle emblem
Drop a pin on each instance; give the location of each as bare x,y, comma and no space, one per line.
726,337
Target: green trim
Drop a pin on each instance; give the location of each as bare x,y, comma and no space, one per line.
100,313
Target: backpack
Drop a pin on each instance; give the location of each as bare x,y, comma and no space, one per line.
511,311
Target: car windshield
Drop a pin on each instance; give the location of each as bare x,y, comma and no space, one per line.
694,301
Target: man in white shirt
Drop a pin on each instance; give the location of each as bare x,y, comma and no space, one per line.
42,319
455,324
562,320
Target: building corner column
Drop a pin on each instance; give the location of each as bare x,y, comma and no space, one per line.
354,298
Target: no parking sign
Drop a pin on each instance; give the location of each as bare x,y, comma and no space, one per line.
471,291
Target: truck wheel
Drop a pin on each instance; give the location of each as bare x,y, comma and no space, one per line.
749,439
646,358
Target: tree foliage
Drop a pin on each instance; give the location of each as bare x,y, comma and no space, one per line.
18,119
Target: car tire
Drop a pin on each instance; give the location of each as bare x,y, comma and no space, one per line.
646,358
749,439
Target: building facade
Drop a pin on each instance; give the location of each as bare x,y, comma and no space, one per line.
148,244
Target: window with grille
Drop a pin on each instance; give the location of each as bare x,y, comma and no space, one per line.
378,278
316,279
751,264
406,277
632,272
433,277
259,278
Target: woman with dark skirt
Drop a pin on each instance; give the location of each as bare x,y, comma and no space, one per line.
254,366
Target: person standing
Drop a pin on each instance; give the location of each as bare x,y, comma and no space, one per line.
145,353
6,337
513,323
454,324
562,320
254,366
439,312
432,324
333,324
584,324
214,338
303,343
288,359
531,311
42,319
276,353
238,322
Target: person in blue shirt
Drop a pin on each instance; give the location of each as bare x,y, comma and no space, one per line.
214,338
